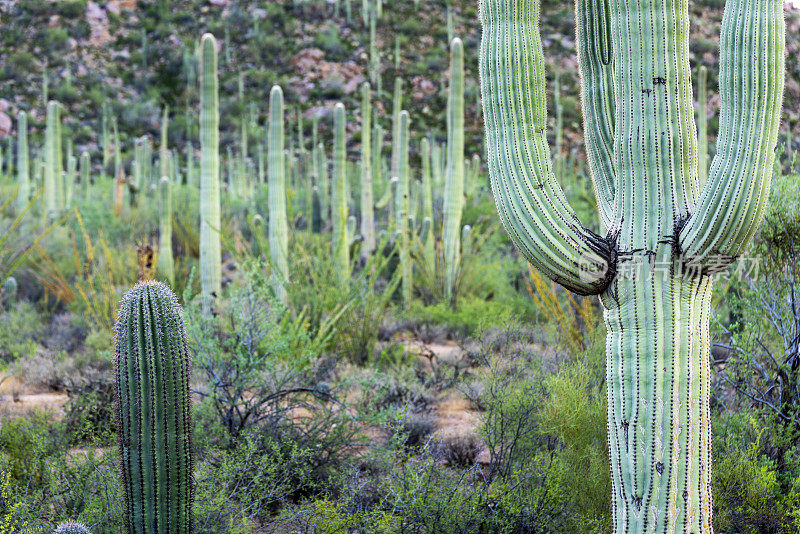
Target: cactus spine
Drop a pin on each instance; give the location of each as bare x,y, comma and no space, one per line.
367,201
454,177
278,227
152,388
70,527
210,247
667,233
341,246
23,171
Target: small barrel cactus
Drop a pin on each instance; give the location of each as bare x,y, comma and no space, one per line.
70,527
152,377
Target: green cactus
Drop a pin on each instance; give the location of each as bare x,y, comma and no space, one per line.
70,527
51,178
402,209
323,180
278,227
10,290
367,201
454,178
23,159
397,107
428,244
667,234
339,212
85,169
702,125
163,148
69,179
374,54
210,247
166,263
153,405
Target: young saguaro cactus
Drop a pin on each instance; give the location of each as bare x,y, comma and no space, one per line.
339,212
152,388
667,234
166,262
70,527
403,209
210,246
367,201
278,227
23,169
454,178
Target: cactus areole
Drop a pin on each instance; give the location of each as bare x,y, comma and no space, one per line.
667,234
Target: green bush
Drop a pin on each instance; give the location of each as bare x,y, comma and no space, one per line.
748,494
20,326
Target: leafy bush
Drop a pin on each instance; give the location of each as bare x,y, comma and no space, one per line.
748,494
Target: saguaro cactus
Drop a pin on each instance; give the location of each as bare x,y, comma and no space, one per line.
210,248
403,208
367,201
70,527
51,178
23,170
152,387
166,263
702,124
341,248
278,227
666,234
454,178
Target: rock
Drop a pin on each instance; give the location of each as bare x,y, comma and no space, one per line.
3,105
5,125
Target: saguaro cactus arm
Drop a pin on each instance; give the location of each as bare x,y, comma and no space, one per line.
752,62
530,201
593,23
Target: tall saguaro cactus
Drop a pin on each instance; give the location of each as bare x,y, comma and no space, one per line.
210,247
278,227
403,208
339,212
367,201
667,234
152,388
454,178
23,169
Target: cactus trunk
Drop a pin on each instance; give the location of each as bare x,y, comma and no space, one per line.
152,388
23,171
403,206
339,214
278,227
367,202
454,178
210,246
668,233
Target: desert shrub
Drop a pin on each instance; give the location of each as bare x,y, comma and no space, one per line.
20,326
458,451
748,494
238,487
26,443
575,414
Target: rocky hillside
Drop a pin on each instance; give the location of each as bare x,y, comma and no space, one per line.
139,56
